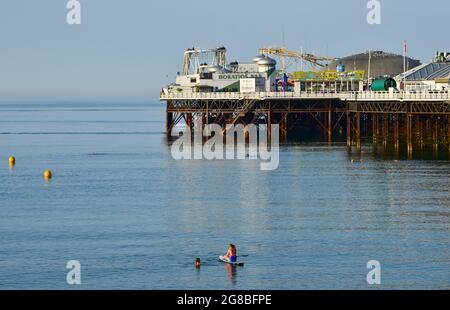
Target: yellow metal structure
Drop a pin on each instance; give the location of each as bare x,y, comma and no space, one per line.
283,53
328,75
316,62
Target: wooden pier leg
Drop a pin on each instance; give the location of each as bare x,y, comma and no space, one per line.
396,132
423,126
433,130
448,131
269,127
385,128
169,122
375,128
285,126
349,130
204,120
436,136
207,114
436,129
189,121
419,131
409,134
330,125
204,117
358,131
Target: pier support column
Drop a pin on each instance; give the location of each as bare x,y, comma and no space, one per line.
375,128
409,134
169,122
433,130
330,125
448,131
419,131
269,127
436,136
436,129
204,124
448,134
358,131
189,121
349,130
284,126
207,114
204,120
385,128
396,131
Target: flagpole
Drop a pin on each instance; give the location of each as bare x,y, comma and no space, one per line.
405,50
369,69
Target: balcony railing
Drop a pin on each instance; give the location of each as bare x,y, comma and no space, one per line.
354,96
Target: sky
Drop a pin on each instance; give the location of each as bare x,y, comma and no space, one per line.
130,49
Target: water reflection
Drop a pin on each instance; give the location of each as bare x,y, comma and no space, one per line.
232,274
400,152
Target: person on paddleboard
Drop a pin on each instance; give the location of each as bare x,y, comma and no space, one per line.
231,253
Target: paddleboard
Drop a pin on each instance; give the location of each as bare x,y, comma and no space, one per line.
225,260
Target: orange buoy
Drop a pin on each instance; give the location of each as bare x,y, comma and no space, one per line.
48,174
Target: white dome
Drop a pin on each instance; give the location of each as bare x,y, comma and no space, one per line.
267,61
259,58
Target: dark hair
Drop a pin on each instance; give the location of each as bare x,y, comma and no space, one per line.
232,246
197,260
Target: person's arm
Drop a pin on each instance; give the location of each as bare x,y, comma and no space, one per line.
229,254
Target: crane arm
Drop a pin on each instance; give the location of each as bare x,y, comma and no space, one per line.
320,61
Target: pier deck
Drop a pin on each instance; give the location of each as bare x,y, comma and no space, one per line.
344,96
415,118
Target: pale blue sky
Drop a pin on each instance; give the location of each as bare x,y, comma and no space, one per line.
124,49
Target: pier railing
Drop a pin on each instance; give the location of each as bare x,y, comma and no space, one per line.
396,96
352,96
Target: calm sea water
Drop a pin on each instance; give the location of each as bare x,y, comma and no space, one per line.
137,219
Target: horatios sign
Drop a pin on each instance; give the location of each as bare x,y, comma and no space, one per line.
237,76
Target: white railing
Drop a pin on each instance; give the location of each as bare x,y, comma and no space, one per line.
396,96
241,96
358,96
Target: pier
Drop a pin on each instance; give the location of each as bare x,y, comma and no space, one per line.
384,98
399,119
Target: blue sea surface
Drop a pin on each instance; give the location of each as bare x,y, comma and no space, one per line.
136,218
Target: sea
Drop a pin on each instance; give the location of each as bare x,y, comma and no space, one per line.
136,218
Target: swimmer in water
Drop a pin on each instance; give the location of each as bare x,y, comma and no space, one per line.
231,253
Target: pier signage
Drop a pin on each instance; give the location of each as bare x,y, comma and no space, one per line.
238,76
252,85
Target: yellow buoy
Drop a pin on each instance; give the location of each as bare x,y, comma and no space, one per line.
48,174
12,161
